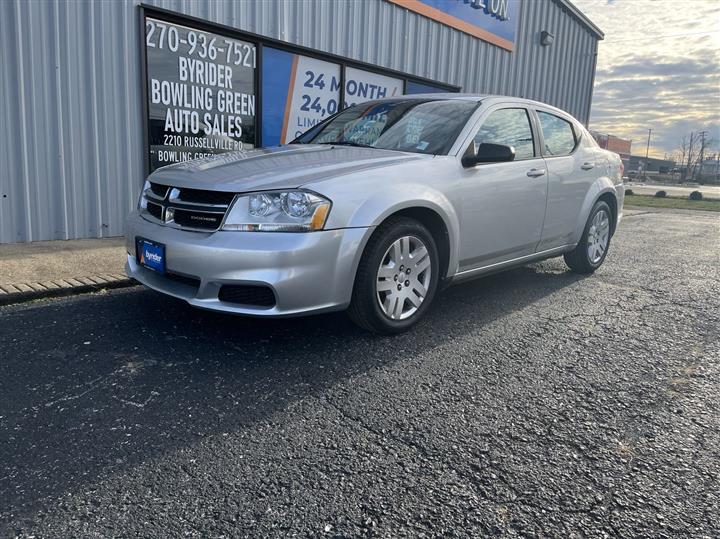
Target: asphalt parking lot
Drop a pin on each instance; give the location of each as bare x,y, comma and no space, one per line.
531,403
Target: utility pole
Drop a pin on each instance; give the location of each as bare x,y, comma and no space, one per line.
702,152
647,151
689,156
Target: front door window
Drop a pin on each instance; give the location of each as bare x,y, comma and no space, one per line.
510,127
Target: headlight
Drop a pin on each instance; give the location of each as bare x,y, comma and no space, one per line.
142,201
278,211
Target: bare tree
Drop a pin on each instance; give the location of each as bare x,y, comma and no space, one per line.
683,150
690,155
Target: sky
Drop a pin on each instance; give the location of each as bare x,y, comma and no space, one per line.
658,67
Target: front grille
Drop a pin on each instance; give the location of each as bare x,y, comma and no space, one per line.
185,208
159,190
197,219
260,296
155,210
198,196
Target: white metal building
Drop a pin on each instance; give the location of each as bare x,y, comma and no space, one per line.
96,94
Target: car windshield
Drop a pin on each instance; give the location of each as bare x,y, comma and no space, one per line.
408,125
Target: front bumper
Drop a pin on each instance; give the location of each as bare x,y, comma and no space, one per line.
309,272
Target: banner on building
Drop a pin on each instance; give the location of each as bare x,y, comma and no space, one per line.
493,21
300,91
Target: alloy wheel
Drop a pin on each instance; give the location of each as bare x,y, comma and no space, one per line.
403,278
598,236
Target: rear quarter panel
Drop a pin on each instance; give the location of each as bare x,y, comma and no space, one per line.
609,180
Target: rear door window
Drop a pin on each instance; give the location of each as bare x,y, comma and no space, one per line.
558,135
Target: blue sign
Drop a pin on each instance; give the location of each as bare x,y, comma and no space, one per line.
494,21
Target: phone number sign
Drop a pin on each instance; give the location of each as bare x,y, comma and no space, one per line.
201,93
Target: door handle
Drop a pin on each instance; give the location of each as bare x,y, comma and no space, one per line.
535,172
587,166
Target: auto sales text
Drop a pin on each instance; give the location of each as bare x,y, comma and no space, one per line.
203,89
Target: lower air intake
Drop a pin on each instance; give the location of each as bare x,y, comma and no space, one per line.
258,296
182,279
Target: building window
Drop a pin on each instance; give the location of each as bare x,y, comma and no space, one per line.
361,85
420,88
298,92
201,93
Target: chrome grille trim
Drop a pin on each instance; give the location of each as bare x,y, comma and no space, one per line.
174,201
153,197
174,198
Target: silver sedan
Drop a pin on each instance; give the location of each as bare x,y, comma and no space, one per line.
378,207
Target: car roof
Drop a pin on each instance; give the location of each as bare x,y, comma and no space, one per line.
486,99
441,96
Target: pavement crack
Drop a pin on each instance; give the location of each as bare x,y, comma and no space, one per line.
378,433
153,394
94,384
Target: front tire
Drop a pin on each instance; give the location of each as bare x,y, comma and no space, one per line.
397,277
594,244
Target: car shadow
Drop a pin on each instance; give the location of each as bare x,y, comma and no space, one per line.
97,384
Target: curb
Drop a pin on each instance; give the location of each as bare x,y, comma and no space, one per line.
22,292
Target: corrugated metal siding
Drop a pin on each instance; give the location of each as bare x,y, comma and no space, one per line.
71,153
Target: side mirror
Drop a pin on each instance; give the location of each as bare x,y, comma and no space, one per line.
489,153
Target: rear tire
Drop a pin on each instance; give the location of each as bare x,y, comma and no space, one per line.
397,277
594,244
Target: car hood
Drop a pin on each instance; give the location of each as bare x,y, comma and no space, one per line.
278,167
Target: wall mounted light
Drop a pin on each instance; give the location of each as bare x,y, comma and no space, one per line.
546,38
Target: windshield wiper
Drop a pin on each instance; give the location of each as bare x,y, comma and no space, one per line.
347,143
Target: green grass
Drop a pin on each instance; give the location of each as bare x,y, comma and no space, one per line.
649,201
